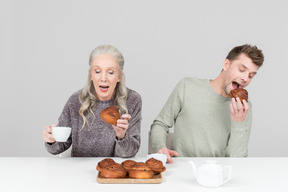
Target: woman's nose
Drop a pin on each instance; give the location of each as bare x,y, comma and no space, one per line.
103,77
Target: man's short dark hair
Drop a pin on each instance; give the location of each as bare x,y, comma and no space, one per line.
251,51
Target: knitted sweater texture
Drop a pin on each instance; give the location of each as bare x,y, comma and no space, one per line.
98,138
202,123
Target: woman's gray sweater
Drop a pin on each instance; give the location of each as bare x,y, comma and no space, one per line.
98,138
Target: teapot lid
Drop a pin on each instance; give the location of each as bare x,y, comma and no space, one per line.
210,165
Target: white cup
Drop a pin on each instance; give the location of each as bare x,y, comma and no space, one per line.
159,156
61,134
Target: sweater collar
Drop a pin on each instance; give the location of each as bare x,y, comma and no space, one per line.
106,101
218,97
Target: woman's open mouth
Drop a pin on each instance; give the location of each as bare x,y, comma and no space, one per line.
104,88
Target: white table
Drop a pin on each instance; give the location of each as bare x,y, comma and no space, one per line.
79,174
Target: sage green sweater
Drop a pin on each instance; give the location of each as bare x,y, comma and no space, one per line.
202,123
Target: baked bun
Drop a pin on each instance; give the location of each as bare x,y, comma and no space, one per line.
141,171
155,165
110,115
115,170
128,164
240,92
104,163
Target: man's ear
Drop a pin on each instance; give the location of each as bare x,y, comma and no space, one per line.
226,64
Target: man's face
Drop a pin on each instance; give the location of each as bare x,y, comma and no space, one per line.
238,73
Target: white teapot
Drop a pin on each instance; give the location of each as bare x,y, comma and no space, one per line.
211,174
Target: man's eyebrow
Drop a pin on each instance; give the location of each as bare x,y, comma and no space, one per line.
243,65
253,72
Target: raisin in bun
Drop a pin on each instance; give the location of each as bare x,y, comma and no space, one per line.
115,170
110,115
141,171
128,164
104,163
240,92
155,165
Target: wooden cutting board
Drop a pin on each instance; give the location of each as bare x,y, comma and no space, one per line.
156,179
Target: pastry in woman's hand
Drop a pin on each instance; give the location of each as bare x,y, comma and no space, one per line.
110,115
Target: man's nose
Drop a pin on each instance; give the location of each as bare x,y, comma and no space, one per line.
244,79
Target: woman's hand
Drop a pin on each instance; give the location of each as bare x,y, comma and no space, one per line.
47,134
169,153
122,126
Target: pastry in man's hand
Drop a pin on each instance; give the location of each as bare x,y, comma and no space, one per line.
156,165
240,92
110,115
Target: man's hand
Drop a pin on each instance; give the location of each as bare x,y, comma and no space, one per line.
169,153
238,113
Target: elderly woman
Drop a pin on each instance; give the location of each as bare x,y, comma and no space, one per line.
90,135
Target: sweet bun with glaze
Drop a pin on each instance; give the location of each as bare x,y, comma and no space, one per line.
104,163
128,164
110,115
115,170
155,165
240,92
141,171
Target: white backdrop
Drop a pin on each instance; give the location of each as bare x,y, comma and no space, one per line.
45,45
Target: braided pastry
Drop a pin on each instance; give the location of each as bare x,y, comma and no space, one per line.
128,164
141,171
155,165
115,170
104,163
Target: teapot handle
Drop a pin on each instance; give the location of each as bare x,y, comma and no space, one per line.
194,168
229,169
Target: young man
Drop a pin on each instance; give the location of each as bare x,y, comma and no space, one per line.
207,122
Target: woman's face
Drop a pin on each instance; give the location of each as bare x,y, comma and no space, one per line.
105,76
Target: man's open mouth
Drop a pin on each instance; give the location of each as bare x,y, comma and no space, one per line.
235,85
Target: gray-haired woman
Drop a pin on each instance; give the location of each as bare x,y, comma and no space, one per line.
90,135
